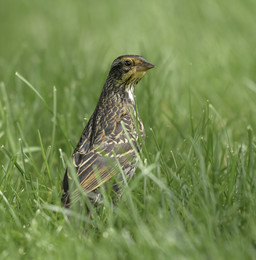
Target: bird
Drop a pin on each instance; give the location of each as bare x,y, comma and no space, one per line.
112,135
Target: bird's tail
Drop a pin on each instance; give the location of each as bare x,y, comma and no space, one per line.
65,197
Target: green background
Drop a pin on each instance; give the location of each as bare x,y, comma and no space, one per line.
193,196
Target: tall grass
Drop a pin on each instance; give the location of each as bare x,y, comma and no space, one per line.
193,195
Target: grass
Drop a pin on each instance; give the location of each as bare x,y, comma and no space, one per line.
193,196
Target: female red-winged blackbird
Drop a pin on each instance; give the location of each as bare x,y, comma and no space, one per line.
110,136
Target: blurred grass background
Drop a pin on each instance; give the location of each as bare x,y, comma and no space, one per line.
194,196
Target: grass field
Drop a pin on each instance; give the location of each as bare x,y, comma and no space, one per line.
194,195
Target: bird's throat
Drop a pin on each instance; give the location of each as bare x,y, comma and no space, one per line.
131,95
118,93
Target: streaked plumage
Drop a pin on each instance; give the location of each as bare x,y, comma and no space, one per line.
104,140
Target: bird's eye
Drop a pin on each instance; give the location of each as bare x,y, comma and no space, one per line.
127,63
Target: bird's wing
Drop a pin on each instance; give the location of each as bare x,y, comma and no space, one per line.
99,163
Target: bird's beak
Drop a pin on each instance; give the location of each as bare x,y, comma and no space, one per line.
144,66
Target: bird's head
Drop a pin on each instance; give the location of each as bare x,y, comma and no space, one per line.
129,69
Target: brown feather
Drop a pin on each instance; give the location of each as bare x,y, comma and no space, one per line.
104,144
